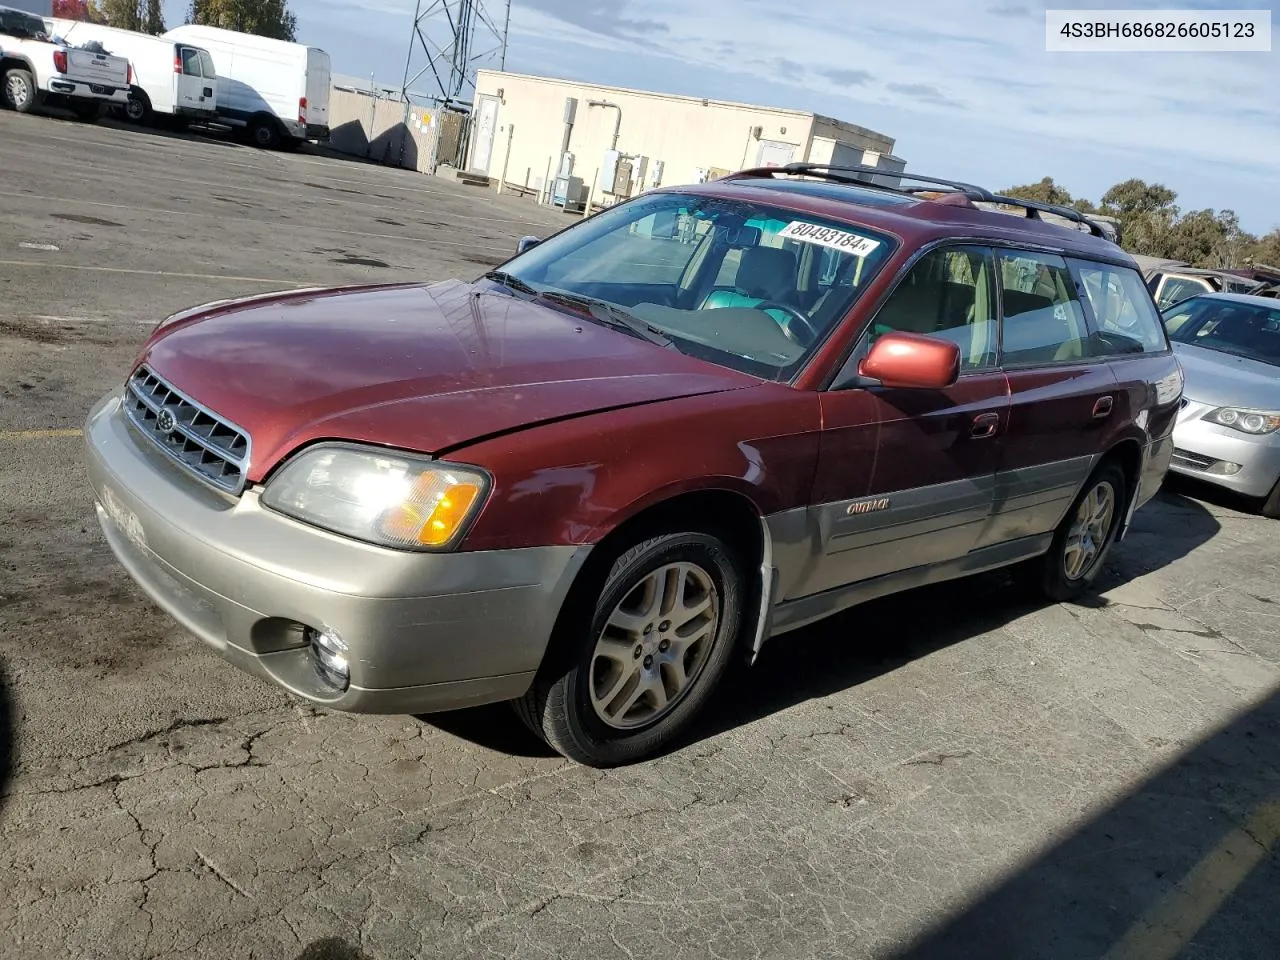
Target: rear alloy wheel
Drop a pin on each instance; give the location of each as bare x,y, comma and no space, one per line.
20,90
627,674
1084,537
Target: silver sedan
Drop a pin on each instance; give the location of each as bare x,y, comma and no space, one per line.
1227,432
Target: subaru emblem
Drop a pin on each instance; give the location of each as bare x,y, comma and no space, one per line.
166,422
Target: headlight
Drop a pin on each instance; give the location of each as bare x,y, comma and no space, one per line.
391,499
1256,422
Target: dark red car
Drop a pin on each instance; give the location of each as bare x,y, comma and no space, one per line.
689,424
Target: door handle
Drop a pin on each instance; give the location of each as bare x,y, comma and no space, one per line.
985,425
1102,408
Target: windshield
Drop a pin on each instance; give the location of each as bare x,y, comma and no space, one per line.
1228,326
745,285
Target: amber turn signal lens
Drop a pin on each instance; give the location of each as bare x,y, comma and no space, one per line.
432,512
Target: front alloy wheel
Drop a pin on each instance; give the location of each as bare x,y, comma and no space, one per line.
654,645
639,650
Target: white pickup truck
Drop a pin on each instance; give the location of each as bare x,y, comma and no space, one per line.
34,70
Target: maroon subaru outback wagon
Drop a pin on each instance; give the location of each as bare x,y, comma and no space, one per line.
692,423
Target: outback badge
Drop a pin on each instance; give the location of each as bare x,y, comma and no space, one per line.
867,506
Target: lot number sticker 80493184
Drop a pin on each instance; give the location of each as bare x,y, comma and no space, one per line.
829,237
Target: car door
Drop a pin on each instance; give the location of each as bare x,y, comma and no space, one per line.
904,477
188,79
1062,398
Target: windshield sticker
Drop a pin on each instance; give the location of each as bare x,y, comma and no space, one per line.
849,243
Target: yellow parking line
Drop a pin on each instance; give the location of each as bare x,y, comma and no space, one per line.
1165,930
40,434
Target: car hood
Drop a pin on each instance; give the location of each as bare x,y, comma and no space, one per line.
418,367
1222,380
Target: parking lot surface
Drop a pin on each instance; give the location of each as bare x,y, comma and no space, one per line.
953,772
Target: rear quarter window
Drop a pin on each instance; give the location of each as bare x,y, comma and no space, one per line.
1125,320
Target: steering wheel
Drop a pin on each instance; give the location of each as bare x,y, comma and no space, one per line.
794,317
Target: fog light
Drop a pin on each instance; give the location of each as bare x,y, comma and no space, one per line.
1224,468
329,654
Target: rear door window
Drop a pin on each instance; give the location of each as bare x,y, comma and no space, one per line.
206,66
1176,289
1044,321
1125,320
190,62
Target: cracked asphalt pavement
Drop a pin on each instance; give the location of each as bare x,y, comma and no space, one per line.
949,773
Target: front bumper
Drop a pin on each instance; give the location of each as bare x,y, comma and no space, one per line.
425,632
1204,450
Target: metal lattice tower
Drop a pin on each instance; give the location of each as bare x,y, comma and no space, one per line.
449,41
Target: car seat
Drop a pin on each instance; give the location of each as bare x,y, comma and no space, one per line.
764,273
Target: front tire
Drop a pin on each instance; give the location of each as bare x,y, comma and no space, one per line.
20,91
1085,535
633,663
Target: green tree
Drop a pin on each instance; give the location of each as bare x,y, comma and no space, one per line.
145,16
265,18
1046,191
1147,214
1266,249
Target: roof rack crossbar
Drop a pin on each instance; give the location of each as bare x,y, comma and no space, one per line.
840,174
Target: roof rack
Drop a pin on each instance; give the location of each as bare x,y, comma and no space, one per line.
838,174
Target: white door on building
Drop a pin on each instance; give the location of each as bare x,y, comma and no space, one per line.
485,130
775,153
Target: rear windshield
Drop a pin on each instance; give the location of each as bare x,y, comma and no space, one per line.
16,23
1228,326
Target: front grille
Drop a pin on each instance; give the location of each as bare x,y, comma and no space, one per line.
1185,458
204,443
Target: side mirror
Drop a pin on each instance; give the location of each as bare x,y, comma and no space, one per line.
913,361
527,243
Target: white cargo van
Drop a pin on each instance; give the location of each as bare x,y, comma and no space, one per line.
278,91
171,80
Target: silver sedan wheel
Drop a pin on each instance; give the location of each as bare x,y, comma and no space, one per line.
17,89
1089,531
654,645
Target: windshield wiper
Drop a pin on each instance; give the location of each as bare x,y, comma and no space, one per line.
510,280
614,316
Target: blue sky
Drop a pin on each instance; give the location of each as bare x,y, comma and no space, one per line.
964,86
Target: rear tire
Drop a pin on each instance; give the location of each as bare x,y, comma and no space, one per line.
20,92
1271,505
636,657
1084,537
137,108
264,133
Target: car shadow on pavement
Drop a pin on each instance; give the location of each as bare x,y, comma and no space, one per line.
882,635
1183,865
877,637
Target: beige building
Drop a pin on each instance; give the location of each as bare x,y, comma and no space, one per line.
626,141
